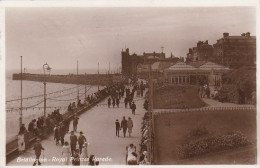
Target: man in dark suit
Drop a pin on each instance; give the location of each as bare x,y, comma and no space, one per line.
81,140
117,127
133,107
124,125
73,143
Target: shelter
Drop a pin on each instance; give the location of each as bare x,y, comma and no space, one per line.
199,73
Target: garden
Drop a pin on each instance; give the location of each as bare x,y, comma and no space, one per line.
206,137
177,97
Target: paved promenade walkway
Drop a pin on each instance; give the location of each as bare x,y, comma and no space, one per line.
98,125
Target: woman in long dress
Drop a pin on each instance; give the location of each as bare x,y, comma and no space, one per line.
66,153
84,154
131,156
21,143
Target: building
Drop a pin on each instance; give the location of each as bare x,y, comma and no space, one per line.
132,64
201,72
235,51
202,52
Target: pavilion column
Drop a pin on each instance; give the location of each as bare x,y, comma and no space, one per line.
189,78
178,79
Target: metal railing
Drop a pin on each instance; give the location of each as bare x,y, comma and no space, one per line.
173,111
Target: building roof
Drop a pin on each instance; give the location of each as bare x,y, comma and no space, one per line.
212,66
197,63
161,65
240,37
181,66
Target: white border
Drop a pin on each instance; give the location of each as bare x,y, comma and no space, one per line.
119,3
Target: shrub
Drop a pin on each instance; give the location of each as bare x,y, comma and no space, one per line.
212,144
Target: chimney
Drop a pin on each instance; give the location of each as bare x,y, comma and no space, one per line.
199,43
190,50
243,34
225,34
248,34
206,42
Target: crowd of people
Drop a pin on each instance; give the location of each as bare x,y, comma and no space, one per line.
77,146
146,127
118,92
54,122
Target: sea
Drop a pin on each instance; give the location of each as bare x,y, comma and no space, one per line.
59,96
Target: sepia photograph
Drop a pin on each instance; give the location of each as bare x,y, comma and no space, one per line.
130,86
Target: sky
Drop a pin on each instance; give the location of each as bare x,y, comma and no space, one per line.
61,36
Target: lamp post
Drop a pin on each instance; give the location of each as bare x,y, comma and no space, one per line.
47,68
21,108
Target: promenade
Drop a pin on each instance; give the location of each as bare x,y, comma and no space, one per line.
98,126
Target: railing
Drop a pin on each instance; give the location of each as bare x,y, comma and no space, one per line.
173,111
12,145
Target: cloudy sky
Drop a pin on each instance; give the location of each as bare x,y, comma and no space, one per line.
61,36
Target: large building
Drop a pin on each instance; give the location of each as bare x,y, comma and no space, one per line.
235,51
131,63
202,52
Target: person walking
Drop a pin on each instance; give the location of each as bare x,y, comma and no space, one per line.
81,140
130,126
38,150
62,132
124,125
84,154
117,102
21,142
66,153
67,125
133,107
126,101
73,143
57,134
109,102
114,102
117,127
75,123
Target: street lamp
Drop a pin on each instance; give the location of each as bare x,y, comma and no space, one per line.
47,68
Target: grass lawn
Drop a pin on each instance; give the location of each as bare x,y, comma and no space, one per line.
172,130
177,97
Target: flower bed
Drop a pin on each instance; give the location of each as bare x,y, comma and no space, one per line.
212,144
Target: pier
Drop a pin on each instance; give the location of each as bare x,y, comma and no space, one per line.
88,79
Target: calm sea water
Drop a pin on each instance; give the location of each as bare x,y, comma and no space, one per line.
30,88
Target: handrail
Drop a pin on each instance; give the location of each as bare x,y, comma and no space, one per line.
12,146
